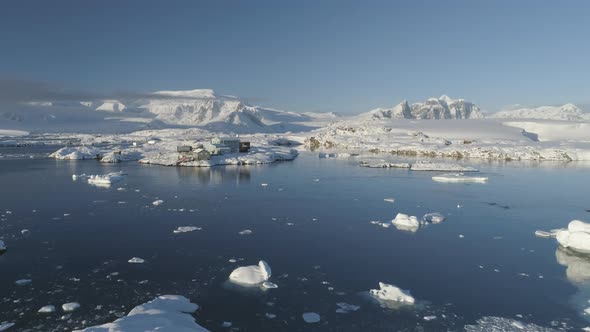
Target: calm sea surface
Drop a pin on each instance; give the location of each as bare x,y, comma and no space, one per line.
311,223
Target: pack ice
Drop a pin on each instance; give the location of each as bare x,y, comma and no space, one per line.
166,313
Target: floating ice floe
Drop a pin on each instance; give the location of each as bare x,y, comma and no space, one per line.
389,200
47,309
269,285
434,217
71,306
136,260
405,222
344,308
441,167
106,179
575,237
5,326
459,178
389,292
251,275
157,202
186,229
166,313
384,165
23,282
311,317
552,233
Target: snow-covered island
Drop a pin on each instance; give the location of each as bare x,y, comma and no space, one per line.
158,128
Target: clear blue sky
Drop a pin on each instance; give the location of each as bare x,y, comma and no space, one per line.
344,56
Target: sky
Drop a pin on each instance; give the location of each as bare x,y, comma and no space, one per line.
339,56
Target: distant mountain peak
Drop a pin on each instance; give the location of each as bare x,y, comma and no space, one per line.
568,112
433,108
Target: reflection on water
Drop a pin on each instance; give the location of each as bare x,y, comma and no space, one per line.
578,273
215,175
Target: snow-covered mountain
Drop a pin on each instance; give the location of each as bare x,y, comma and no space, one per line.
200,108
433,108
569,112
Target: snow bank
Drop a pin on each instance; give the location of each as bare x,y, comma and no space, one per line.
442,167
389,292
166,313
76,153
575,237
459,178
251,275
106,179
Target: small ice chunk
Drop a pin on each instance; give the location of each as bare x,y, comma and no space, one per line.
226,324
429,318
311,317
251,275
459,178
264,184
245,232
587,311
540,233
23,282
461,236
434,217
270,316
269,285
390,200
106,179
5,326
345,308
71,306
157,202
47,309
186,229
392,293
136,260
2,246
25,231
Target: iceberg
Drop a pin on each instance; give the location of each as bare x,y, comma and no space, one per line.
166,313
251,275
389,292
459,178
